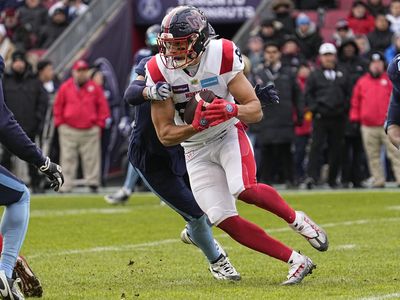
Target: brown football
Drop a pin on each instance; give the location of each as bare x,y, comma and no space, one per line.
206,95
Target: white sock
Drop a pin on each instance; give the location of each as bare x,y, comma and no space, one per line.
295,258
297,220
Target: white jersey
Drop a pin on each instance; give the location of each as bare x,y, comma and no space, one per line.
220,63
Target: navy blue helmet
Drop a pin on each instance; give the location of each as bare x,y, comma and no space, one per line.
185,34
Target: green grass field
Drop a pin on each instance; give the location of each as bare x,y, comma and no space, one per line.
82,248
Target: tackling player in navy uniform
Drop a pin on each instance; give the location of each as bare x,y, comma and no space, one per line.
14,194
392,125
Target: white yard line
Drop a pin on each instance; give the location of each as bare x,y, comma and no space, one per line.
381,297
129,247
72,212
108,248
343,247
396,207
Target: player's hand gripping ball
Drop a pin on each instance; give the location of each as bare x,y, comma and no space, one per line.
190,109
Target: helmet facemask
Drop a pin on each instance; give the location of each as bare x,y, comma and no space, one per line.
178,53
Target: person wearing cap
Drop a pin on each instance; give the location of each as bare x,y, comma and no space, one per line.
80,112
381,37
342,32
327,94
28,102
55,26
360,20
308,36
369,105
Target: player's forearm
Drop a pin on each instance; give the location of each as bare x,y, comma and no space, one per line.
394,135
250,112
171,135
134,94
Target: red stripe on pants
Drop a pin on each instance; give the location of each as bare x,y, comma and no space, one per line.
249,169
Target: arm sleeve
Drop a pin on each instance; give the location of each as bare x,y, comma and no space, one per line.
134,93
15,139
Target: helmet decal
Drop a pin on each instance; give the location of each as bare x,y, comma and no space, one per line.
184,36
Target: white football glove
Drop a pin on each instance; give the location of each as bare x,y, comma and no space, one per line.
159,92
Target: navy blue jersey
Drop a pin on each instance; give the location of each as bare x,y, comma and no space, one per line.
394,106
14,138
145,150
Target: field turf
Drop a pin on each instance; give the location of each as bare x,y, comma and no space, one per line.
82,248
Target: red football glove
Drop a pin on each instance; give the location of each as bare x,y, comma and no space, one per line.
200,121
220,111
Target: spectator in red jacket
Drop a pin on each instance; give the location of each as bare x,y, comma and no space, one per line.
360,20
80,112
369,106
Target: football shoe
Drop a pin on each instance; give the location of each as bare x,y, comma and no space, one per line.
313,233
119,197
9,288
298,270
222,269
29,283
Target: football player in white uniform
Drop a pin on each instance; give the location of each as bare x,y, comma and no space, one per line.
218,153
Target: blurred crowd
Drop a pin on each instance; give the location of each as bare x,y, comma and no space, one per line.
334,91
30,84
35,24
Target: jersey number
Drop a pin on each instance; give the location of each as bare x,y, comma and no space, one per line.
237,52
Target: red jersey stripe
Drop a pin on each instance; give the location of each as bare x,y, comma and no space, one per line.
154,71
227,57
